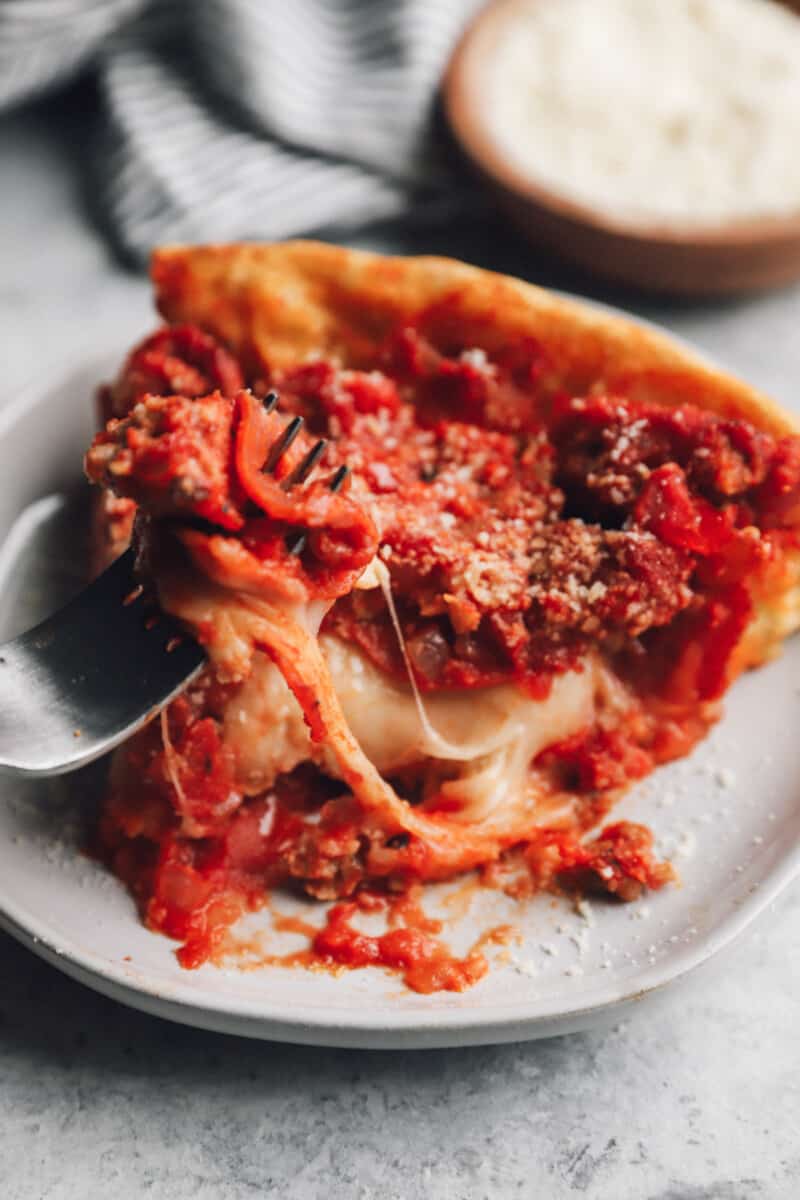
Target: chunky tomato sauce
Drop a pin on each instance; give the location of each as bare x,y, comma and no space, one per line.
521,532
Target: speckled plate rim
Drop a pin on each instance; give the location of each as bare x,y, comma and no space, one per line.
359,1027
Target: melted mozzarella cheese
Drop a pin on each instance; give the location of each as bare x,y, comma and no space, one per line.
499,780
489,735
263,725
481,753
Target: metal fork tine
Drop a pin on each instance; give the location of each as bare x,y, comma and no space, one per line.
282,445
305,466
339,478
270,401
61,703
298,545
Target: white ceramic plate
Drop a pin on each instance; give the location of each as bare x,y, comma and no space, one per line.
729,817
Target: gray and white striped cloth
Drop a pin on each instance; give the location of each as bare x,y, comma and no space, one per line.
246,118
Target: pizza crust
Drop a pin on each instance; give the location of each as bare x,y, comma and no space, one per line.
275,305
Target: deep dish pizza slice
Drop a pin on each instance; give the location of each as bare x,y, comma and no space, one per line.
561,539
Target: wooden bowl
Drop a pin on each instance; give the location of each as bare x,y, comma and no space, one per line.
676,259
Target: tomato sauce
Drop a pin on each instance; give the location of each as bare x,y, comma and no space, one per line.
519,533
409,947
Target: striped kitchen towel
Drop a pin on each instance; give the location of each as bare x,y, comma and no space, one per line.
224,119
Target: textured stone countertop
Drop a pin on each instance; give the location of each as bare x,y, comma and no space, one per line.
694,1098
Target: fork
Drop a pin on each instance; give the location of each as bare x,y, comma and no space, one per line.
76,685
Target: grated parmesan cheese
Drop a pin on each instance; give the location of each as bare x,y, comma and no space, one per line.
684,112
726,777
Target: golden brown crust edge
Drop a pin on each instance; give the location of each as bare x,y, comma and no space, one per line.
278,304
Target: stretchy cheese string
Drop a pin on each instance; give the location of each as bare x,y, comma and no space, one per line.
297,654
170,759
439,747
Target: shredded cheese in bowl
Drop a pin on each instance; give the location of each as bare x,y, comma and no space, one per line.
685,112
